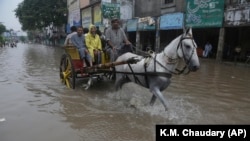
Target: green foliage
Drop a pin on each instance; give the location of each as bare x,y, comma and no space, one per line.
1,39
22,38
2,28
37,14
30,35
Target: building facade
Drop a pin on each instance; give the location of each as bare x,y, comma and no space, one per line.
153,24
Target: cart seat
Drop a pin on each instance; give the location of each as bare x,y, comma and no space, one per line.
73,52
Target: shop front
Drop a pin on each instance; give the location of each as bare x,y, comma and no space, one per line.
131,29
147,30
237,28
206,19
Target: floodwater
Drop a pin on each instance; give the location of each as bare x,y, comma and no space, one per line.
35,106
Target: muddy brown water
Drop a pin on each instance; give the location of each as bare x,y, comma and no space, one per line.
34,105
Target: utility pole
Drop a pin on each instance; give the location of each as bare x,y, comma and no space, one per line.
157,35
220,44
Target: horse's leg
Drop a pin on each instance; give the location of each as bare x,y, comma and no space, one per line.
157,93
152,101
156,85
120,80
118,84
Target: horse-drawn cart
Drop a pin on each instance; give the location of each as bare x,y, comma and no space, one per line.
153,71
72,67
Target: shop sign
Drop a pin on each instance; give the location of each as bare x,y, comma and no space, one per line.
237,16
110,10
171,21
204,13
86,17
97,15
75,18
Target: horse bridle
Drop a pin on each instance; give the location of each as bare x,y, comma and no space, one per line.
186,59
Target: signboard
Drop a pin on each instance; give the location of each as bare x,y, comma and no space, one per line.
75,18
204,13
97,15
237,16
132,25
110,10
171,21
86,17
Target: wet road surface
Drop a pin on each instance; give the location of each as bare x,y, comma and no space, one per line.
34,105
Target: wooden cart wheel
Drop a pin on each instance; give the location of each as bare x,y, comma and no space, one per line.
67,71
62,67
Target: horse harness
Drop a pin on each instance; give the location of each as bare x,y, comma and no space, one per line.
149,57
146,73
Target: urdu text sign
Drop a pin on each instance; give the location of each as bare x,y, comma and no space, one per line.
204,13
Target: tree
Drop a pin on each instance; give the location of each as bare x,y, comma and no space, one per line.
37,14
30,35
22,38
2,28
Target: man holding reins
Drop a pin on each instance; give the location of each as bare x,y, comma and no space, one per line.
117,40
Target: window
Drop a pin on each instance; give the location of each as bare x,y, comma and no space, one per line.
168,1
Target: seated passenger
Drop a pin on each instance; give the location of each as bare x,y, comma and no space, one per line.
78,40
67,41
94,45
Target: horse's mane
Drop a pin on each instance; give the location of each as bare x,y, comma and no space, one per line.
173,41
177,39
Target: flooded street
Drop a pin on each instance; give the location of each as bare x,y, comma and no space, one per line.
36,106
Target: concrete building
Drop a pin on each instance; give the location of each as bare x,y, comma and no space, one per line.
207,20
154,23
147,8
171,6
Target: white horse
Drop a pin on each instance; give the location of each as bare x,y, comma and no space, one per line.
155,71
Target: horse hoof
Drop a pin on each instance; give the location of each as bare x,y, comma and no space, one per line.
85,86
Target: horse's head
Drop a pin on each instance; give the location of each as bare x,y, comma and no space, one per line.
186,49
